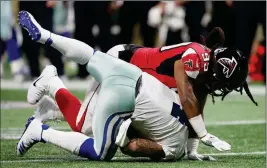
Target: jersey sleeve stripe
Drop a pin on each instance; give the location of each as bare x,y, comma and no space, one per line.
192,74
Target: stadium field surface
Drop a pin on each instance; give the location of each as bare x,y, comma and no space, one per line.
236,120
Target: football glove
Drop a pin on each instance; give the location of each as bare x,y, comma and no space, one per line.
196,156
211,140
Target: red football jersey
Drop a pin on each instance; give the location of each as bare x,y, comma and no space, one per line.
159,62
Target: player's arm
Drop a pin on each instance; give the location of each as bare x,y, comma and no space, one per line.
188,99
134,145
139,147
201,94
191,105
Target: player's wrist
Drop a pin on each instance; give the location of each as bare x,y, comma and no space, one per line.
198,125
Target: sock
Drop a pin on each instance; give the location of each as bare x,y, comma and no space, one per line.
87,149
74,50
69,105
54,85
71,141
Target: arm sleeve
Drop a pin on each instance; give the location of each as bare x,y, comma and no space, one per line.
191,63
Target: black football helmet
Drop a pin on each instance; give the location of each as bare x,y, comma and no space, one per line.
230,70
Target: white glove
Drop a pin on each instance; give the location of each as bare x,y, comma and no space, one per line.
196,156
211,140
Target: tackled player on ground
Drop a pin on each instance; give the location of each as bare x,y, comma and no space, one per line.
100,69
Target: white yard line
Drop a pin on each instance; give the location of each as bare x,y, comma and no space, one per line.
238,122
237,154
40,160
125,158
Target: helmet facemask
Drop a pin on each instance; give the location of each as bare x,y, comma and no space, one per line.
230,70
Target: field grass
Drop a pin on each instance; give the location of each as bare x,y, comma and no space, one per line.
236,120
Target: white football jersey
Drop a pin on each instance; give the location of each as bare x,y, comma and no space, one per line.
153,119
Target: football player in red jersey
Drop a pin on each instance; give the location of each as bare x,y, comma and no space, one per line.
194,70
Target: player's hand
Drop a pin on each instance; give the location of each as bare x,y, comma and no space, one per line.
211,140
196,156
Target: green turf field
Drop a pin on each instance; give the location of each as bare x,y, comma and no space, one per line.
236,120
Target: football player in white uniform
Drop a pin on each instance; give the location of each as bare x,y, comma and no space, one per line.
127,97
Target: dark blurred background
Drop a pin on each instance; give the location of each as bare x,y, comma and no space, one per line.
103,24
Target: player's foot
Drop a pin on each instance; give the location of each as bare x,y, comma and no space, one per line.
31,135
40,86
37,33
47,110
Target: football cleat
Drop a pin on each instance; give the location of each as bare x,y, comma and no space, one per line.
47,110
36,32
31,135
27,21
40,86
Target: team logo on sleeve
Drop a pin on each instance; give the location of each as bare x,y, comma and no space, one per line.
229,66
189,63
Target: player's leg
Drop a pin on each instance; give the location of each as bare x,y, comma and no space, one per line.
48,81
48,110
74,50
74,112
69,105
87,110
76,143
114,104
101,65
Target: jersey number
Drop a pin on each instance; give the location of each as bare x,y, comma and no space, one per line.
206,59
